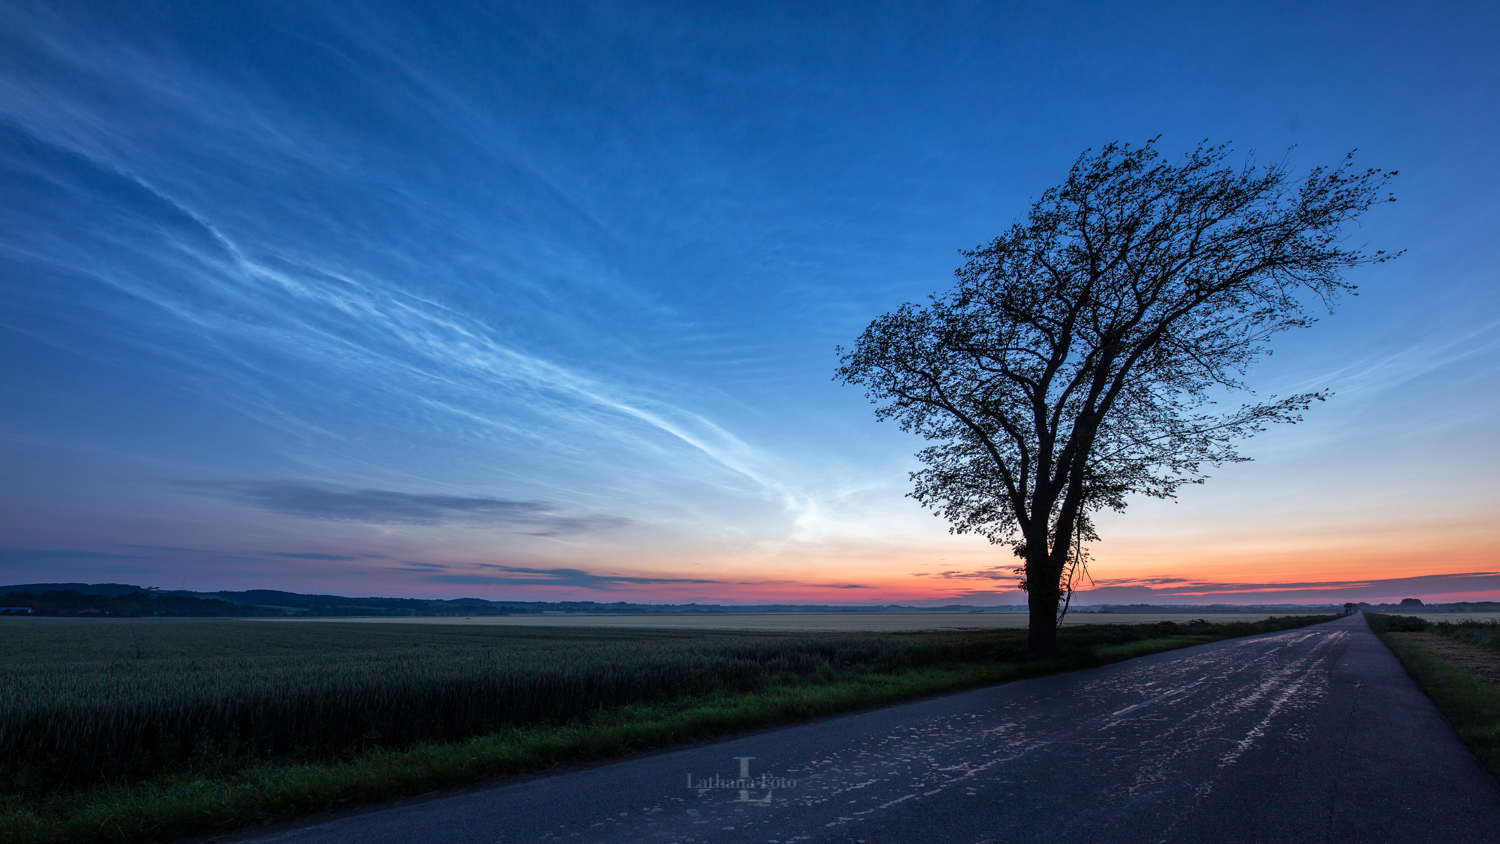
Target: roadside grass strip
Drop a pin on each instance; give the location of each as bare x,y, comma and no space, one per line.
1468,701
178,805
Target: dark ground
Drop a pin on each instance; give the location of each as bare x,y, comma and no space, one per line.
1315,734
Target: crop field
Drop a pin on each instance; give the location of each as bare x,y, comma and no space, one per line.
195,725
93,700
121,700
1454,617
820,622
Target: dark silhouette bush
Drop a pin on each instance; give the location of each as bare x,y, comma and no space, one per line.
1381,623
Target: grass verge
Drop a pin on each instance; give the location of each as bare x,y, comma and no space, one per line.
177,806
1468,701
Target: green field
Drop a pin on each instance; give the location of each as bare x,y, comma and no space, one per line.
123,700
845,622
141,729
1451,617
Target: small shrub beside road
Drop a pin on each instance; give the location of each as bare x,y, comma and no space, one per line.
146,730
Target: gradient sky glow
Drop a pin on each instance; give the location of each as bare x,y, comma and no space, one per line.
540,301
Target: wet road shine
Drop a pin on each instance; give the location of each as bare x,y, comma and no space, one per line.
1314,735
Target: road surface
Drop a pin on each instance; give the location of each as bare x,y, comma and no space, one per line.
1310,735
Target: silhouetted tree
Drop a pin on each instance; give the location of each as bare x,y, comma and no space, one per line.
1078,357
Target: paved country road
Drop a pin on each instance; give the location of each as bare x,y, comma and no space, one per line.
1314,734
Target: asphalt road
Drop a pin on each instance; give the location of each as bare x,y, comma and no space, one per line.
1309,735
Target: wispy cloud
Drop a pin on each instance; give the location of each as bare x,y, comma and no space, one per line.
989,573
313,556
1146,590
577,578
24,555
416,565
1388,370
1152,582
373,325
275,317
380,506
1182,590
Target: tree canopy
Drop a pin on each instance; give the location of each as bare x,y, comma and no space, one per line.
1080,356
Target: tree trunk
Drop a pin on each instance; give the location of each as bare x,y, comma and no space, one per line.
1042,595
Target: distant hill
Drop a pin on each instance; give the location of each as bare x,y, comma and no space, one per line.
110,589
43,600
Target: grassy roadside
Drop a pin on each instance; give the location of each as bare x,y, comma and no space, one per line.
170,807
1468,701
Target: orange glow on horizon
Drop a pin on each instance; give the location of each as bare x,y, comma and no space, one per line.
1294,570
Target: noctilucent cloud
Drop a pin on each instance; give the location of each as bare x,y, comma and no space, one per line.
541,301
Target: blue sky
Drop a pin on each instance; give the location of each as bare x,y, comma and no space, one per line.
540,301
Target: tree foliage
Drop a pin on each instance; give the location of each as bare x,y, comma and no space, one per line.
1078,359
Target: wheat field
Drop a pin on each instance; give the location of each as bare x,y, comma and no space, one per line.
787,622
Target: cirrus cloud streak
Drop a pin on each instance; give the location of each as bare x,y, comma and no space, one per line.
392,507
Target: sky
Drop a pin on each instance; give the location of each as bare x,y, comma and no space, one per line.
540,301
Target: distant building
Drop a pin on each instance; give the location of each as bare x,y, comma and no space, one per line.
15,610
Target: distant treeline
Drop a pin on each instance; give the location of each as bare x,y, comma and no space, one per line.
1406,604
119,599
270,602
1409,604
139,603
136,604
